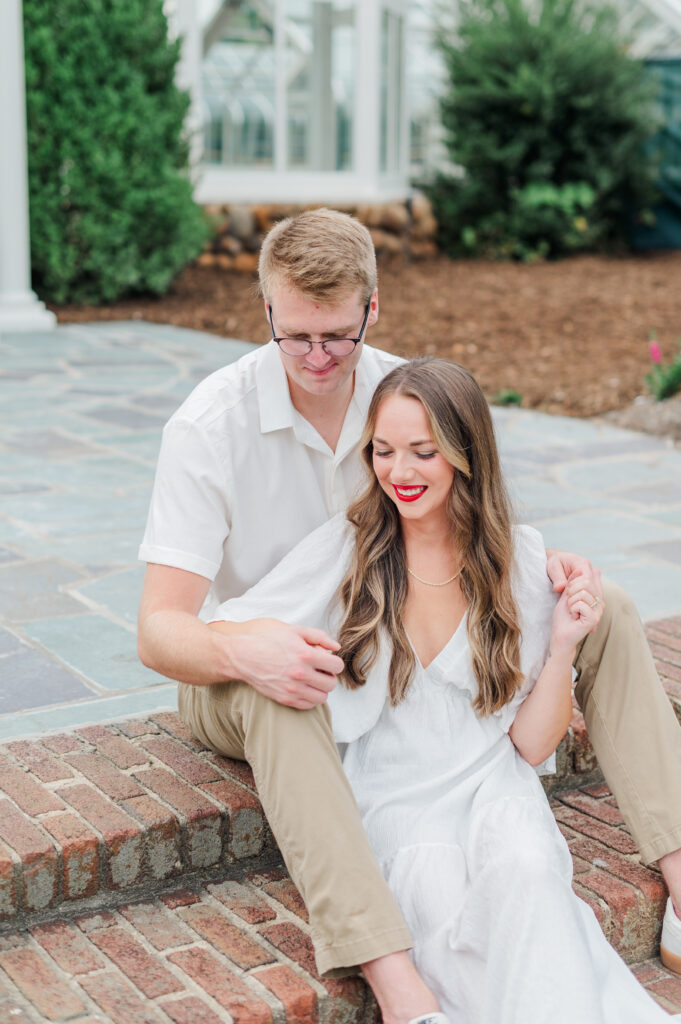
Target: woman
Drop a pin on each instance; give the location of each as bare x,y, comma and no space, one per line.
458,662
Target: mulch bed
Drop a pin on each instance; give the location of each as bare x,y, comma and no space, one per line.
571,337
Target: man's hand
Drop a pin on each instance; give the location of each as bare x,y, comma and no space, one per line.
561,567
292,665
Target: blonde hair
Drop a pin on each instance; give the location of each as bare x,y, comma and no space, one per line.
322,253
375,589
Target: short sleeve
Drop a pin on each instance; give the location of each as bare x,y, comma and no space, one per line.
189,516
535,602
302,589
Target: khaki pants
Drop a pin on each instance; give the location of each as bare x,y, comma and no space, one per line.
632,726
315,820
312,813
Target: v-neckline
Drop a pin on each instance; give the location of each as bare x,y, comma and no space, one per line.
424,668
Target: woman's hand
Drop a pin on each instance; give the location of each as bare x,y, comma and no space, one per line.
577,613
562,566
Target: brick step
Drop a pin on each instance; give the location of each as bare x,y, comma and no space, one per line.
576,762
103,826
106,811
627,897
223,953
139,879
663,986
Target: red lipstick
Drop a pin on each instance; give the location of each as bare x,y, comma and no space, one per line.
409,497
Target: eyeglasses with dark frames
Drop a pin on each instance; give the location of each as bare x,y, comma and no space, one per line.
332,346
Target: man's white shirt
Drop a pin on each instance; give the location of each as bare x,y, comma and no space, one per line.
242,477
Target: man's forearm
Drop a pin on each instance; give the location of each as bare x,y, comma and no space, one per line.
180,646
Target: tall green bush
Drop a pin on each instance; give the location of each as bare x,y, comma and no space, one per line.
111,206
545,118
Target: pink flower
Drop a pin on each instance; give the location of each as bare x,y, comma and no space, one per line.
655,352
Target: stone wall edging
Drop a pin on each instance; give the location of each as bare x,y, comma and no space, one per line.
404,230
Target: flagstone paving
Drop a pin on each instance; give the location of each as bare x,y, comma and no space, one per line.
81,411
102,825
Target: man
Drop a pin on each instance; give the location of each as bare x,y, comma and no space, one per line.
259,455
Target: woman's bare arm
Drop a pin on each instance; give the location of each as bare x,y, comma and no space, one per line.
544,715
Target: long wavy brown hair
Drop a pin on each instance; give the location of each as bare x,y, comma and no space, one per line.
375,589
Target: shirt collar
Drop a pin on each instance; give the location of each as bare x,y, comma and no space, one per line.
277,411
355,417
365,384
274,400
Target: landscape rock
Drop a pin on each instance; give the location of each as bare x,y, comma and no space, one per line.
652,417
246,263
241,222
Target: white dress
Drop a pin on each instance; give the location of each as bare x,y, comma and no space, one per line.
459,821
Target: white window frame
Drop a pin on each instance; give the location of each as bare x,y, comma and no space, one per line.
365,183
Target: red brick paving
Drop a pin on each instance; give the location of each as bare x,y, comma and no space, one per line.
121,751
109,779
180,898
68,947
28,793
62,743
161,929
39,762
226,938
224,987
79,847
299,998
117,998
243,902
187,765
41,984
664,637
141,967
190,1011
238,946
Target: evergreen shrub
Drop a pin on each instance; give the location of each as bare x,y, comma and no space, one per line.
546,119
111,206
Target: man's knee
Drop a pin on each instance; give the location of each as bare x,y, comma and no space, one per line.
616,653
620,612
265,722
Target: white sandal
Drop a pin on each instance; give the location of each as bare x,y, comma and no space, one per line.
430,1018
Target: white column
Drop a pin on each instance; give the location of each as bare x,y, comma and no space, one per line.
183,17
20,309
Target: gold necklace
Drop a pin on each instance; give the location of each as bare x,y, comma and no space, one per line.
429,584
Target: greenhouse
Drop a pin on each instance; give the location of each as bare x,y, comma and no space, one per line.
304,100
336,100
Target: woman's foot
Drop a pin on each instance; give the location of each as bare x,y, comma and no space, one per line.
401,993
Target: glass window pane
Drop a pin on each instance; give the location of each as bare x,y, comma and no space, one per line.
320,73
238,83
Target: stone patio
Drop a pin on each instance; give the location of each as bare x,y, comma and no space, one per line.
138,879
